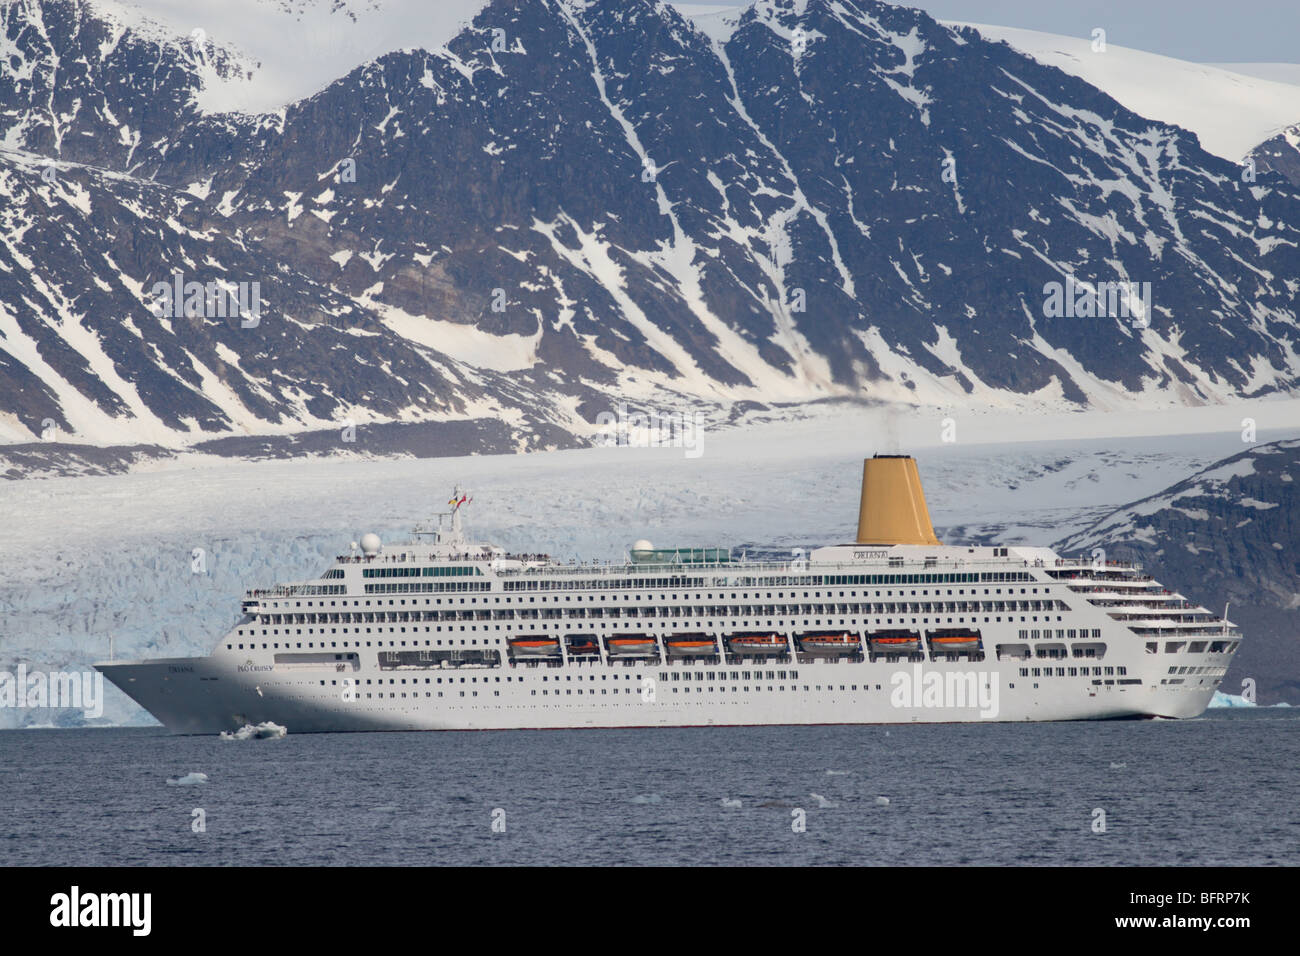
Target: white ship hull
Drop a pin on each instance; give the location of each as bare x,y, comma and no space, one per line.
208,695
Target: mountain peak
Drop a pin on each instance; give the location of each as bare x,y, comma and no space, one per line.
563,207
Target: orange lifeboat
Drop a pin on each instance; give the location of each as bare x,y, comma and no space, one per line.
632,645
584,647
535,646
757,644
691,645
894,642
829,643
954,640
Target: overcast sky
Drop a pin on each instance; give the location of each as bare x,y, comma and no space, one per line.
1204,31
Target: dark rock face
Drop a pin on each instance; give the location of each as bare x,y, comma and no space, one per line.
1280,155
840,198
1229,534
54,459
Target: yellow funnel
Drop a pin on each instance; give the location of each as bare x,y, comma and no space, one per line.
893,507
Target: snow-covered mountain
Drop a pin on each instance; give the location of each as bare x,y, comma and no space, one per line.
1227,534
506,228
1231,112
1275,72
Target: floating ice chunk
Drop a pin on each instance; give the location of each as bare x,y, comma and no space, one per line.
882,801
837,773
822,802
729,803
1117,766
268,730
189,780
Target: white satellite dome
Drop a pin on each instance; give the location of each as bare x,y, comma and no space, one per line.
370,544
643,545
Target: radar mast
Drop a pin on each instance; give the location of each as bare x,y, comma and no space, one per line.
448,533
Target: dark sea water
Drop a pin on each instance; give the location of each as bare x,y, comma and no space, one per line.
1215,791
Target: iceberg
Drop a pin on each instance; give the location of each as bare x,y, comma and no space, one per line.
189,780
1221,699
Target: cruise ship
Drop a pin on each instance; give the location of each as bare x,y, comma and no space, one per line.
442,633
